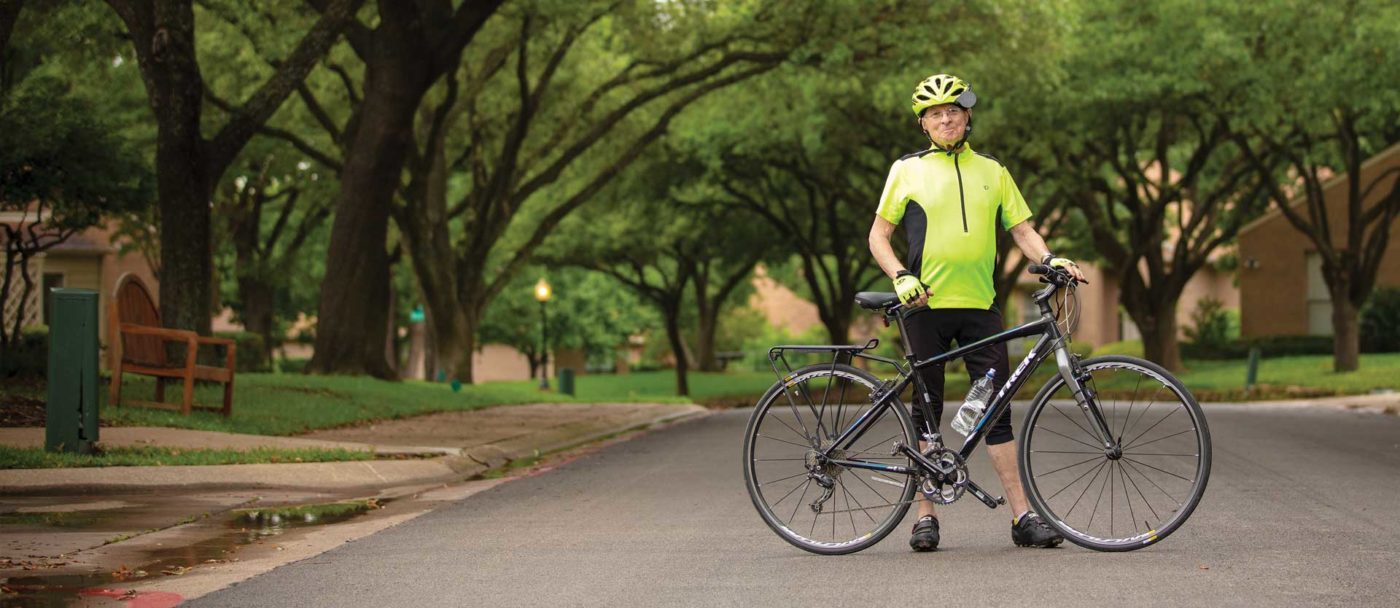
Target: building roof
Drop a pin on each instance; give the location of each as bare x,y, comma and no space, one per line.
1331,182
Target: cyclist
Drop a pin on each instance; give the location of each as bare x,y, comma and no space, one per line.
950,199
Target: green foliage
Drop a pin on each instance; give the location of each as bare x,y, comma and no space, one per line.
247,357
1380,321
588,311
28,357
1212,325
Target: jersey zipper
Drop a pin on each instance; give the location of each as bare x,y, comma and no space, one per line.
962,199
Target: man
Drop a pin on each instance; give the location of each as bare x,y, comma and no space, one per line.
949,200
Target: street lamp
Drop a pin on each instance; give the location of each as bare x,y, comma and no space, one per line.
543,293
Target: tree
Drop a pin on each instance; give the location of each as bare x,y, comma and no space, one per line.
188,165
413,46
1149,154
1320,113
267,213
588,311
62,170
518,176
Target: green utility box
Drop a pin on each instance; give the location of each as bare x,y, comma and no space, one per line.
566,381
72,408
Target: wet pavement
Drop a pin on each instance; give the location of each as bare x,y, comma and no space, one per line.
153,536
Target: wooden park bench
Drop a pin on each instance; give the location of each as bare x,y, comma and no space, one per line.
139,345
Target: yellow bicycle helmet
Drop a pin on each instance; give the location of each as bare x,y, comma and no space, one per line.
939,89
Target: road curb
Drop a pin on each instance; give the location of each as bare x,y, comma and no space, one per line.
368,477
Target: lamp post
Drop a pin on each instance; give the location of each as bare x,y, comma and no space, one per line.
543,293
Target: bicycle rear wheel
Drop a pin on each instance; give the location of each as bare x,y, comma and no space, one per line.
1125,503
796,419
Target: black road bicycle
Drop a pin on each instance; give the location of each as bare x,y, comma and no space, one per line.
1114,452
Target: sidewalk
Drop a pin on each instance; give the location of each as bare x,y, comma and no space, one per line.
52,516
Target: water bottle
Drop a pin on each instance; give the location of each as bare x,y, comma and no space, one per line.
975,404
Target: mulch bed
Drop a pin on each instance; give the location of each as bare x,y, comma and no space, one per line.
17,407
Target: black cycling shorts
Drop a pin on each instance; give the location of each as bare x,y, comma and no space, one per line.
932,331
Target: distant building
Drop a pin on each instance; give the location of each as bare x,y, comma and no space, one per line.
1282,292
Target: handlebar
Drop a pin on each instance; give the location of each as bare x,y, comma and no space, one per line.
1056,276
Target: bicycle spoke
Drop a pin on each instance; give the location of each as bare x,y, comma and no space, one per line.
863,508
1071,421
794,489
1099,448
1190,430
1076,480
805,447
1140,494
1123,483
795,431
769,483
1154,425
1096,470
1099,500
805,487
1159,469
1154,484
1070,466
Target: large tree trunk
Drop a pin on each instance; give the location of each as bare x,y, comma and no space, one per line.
673,335
258,317
353,317
176,93
1157,322
1346,330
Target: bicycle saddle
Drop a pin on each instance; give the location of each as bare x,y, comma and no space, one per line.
876,300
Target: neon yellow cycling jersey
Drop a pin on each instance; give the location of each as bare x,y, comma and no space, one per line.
949,206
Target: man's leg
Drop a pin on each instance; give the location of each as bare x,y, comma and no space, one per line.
1004,461
1001,444
926,338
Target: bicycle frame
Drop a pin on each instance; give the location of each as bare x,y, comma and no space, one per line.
1050,340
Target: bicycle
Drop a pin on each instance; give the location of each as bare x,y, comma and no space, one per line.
1092,420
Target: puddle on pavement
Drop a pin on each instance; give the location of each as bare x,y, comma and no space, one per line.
245,527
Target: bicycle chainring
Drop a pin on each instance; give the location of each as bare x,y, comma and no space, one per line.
954,472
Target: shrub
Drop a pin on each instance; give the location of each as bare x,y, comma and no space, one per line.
249,357
30,356
1380,321
1213,325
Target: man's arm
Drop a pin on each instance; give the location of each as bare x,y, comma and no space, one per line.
1034,248
880,232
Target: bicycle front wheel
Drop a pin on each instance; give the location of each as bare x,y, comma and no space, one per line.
792,424
1109,502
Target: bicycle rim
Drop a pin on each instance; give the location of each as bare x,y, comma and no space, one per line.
1117,504
808,410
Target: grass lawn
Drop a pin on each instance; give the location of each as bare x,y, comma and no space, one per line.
37,458
287,404
1305,374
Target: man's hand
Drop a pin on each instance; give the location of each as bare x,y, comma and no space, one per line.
910,289
1069,266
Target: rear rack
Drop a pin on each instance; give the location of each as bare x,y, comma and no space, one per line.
840,353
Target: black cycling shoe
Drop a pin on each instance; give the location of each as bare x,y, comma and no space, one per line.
1032,531
925,536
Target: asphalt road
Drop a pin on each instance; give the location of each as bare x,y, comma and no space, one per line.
1303,508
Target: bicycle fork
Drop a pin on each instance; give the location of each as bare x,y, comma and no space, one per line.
1081,386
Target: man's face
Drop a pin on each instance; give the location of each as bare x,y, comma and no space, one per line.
945,124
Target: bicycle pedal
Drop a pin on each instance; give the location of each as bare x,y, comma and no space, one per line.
1001,500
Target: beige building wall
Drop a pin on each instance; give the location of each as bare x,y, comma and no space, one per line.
1273,255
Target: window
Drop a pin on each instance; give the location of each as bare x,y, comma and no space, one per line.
51,281
1319,301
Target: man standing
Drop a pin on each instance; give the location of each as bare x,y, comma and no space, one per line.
949,200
